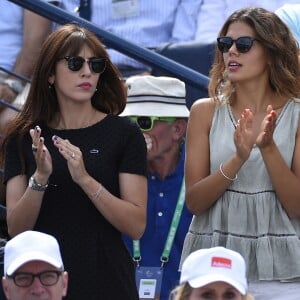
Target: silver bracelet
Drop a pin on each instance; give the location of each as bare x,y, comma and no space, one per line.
97,193
224,175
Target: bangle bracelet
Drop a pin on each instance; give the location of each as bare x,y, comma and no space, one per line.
224,175
97,193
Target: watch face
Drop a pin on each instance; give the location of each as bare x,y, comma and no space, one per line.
37,186
15,85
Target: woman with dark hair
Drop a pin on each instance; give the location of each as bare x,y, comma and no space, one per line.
77,170
242,167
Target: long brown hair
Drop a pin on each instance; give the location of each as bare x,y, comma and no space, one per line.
42,103
280,46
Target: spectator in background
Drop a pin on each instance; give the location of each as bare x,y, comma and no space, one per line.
242,154
33,268
22,34
213,273
213,14
290,15
77,170
157,105
148,23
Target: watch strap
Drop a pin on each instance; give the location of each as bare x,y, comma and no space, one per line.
37,186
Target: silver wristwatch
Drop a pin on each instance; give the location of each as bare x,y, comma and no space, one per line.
37,186
14,84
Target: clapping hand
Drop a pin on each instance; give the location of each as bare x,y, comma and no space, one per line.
265,137
73,156
41,154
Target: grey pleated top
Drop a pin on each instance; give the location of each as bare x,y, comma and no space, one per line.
249,217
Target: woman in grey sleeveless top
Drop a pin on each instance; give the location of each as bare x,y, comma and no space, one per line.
243,153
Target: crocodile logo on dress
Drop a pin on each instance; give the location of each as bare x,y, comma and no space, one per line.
94,151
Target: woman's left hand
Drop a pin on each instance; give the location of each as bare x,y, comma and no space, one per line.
73,156
265,137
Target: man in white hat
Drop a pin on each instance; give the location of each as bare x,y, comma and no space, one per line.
33,268
157,105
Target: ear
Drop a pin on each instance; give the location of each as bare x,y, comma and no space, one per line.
5,288
179,128
51,79
65,283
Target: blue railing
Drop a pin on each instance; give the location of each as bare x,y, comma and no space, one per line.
124,46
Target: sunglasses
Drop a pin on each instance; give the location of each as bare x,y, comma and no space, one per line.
243,44
75,63
147,123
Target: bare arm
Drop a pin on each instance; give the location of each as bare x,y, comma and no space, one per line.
23,204
286,181
203,188
35,31
127,214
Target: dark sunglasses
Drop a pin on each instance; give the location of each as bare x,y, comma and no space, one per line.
147,123
243,44
75,63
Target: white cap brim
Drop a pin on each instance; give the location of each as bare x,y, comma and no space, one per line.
210,278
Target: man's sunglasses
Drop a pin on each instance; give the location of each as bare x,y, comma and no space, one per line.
243,44
147,123
75,63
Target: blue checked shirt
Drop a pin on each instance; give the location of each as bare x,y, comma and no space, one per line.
155,22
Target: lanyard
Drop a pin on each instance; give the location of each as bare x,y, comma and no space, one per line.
172,231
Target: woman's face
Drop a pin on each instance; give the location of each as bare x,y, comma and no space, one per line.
251,65
75,86
215,291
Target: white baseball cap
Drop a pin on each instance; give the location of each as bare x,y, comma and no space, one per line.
206,266
29,246
159,96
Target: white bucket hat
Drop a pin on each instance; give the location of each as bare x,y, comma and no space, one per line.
206,266
155,96
29,246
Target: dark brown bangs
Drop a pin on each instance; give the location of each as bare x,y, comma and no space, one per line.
74,43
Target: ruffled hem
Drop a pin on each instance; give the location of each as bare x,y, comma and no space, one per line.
267,257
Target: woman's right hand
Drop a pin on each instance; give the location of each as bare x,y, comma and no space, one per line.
243,136
41,154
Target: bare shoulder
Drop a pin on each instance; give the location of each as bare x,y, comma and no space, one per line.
203,110
204,104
